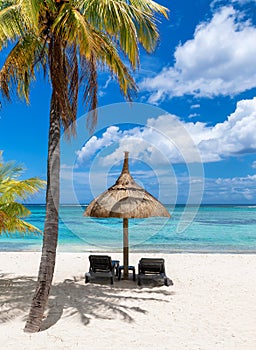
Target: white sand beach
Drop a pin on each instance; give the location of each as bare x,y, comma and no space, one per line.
210,306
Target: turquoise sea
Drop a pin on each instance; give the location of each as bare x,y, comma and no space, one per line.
209,228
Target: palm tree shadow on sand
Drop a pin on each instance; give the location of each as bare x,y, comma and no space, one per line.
72,297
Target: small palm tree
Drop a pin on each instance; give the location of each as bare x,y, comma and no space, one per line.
11,190
70,40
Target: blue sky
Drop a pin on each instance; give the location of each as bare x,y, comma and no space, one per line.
191,131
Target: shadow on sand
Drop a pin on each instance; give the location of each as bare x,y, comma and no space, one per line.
72,296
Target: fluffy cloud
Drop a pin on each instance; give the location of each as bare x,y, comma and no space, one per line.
111,135
166,139
242,2
234,136
227,190
219,60
160,141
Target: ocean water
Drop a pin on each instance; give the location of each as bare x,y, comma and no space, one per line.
210,228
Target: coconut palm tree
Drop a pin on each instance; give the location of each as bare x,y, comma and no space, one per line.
69,40
11,190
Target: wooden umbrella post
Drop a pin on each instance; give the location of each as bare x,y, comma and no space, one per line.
125,248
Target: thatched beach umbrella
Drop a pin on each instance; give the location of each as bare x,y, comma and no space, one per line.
126,200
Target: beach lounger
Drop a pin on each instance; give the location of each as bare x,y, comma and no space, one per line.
152,268
102,266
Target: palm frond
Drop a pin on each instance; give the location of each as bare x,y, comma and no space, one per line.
14,224
114,18
150,6
10,25
73,27
11,189
128,22
30,10
108,55
17,18
13,209
9,170
18,69
89,74
19,189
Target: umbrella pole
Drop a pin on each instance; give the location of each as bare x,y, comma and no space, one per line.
125,248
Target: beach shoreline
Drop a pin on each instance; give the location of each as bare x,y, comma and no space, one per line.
210,306
65,248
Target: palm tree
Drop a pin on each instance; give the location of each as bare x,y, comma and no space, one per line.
69,40
11,189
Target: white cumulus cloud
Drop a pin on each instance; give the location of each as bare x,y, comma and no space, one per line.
111,135
166,139
219,60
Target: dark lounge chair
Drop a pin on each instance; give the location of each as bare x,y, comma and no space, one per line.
102,266
152,268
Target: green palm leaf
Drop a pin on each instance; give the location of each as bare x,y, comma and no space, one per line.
12,189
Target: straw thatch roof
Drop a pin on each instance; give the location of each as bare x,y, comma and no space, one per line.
125,199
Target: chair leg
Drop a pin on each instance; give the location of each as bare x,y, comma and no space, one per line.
87,279
168,282
119,274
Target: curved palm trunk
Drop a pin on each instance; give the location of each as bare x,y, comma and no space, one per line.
50,237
